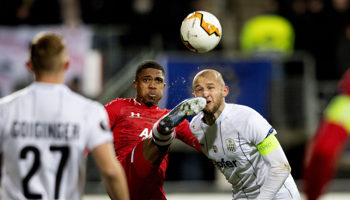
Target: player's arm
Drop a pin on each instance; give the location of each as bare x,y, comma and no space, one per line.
322,154
184,134
99,140
327,146
111,171
280,169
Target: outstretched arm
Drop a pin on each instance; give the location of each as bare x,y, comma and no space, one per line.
184,134
322,154
112,173
280,169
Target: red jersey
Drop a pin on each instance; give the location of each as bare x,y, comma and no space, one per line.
132,121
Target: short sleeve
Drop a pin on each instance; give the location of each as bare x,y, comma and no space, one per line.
257,128
183,133
99,131
112,109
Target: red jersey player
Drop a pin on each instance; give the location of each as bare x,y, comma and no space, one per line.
141,139
328,143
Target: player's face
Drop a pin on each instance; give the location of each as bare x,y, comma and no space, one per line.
214,92
149,86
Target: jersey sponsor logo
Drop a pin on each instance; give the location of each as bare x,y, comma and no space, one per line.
145,133
56,130
135,115
230,145
225,163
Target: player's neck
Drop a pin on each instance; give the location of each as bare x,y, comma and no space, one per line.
209,119
50,78
148,104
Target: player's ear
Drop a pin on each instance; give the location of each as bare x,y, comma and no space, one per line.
29,66
134,84
66,65
226,91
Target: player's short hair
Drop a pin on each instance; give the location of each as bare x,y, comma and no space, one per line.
148,64
46,52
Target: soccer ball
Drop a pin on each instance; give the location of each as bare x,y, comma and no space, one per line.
200,31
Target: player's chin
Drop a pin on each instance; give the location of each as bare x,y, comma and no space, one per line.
207,110
152,101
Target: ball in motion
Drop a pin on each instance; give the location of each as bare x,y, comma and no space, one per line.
200,31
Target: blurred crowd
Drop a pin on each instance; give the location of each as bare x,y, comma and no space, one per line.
322,27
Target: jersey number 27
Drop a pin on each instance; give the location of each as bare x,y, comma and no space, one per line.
64,150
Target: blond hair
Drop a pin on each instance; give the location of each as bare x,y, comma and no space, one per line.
46,52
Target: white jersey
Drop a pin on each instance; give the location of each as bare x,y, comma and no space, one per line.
45,130
231,144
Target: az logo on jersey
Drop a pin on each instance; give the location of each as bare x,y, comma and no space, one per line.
145,133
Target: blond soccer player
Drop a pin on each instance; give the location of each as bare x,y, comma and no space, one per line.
45,130
241,144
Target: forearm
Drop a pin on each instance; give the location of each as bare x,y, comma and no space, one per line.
112,173
116,184
279,172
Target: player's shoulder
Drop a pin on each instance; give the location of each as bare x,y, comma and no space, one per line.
240,116
121,101
243,111
248,117
14,97
82,101
338,108
339,102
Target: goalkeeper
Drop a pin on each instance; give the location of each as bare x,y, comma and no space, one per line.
241,144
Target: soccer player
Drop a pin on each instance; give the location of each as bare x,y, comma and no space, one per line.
143,131
327,145
45,130
241,143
